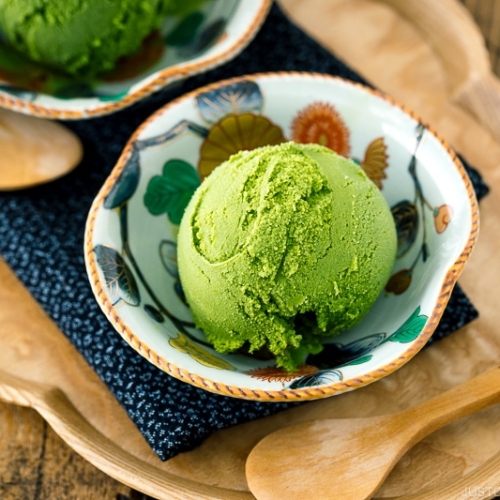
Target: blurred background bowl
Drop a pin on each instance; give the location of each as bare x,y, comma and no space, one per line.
186,45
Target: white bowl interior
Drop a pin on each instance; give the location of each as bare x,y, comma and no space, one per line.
367,115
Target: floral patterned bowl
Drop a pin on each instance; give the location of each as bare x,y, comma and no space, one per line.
186,45
130,244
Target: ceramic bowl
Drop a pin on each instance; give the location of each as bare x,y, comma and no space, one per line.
185,45
131,253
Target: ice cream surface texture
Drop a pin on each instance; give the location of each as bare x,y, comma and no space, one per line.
281,246
80,37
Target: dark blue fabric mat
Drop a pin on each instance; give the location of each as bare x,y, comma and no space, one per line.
41,238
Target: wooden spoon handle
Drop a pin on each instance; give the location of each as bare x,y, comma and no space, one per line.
455,37
471,396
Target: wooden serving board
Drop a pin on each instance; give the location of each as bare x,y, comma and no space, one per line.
412,55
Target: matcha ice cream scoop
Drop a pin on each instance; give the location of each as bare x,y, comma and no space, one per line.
79,37
281,246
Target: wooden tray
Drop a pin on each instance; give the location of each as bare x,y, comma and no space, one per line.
437,65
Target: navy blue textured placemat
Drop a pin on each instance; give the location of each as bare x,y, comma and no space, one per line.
41,238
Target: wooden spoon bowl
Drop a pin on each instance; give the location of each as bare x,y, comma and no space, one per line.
34,150
350,458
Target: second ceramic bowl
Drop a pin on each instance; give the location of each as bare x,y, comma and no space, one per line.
186,44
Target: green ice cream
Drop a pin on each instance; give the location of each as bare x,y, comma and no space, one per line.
179,7
79,37
282,246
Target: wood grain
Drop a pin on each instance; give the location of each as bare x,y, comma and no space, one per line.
341,450
486,14
75,402
391,52
36,463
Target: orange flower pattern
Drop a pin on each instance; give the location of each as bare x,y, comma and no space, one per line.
320,123
375,161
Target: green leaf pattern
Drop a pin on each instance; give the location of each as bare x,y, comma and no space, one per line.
410,329
120,282
170,192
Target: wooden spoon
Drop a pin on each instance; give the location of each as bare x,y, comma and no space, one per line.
349,458
34,150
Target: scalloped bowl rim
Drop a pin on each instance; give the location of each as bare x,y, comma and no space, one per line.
447,283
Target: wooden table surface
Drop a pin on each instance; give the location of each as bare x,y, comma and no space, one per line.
35,463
